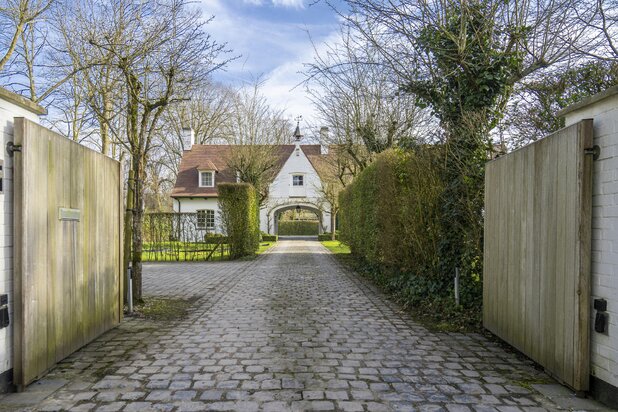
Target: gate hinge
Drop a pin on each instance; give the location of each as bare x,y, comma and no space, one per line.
595,151
12,148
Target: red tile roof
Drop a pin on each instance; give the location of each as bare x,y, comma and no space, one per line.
214,157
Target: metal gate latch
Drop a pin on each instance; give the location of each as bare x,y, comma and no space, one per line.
12,148
595,151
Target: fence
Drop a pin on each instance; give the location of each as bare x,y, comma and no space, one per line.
68,253
536,288
181,237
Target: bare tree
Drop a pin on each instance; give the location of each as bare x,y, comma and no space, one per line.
600,18
208,112
163,54
335,174
254,132
16,19
356,94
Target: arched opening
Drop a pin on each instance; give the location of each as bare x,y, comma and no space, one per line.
297,220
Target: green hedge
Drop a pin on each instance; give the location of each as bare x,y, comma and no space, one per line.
327,236
269,238
239,207
298,228
390,216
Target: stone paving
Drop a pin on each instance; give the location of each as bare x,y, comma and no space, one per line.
291,330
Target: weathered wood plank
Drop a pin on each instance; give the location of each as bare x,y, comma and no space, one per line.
537,251
67,273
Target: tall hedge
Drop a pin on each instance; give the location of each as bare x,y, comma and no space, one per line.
298,228
392,218
390,213
239,208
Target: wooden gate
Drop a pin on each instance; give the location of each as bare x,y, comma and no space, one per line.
536,290
67,248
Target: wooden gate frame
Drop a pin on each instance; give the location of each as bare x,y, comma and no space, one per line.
537,262
33,358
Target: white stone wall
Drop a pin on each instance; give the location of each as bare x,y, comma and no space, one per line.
282,192
8,111
604,231
191,205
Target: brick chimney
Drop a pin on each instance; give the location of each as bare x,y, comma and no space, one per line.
188,138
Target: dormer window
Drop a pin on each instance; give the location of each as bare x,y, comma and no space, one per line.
298,180
207,178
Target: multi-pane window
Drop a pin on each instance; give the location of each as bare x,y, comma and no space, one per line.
206,219
297,180
207,179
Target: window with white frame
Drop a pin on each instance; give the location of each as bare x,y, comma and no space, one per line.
207,178
206,219
298,180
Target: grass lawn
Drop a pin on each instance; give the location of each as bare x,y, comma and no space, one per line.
182,252
336,247
264,246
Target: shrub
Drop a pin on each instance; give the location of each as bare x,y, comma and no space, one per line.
239,207
215,238
269,238
298,228
327,236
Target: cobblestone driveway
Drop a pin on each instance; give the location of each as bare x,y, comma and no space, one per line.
289,330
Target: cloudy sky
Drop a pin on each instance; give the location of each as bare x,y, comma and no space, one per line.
274,39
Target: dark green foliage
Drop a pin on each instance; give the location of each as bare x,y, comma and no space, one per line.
269,238
393,218
472,77
327,236
298,228
239,205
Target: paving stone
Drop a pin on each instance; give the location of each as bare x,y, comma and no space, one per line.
313,406
350,406
111,407
276,406
313,395
290,330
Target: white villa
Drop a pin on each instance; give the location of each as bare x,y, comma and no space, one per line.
296,186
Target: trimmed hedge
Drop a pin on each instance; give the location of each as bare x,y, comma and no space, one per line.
327,236
269,238
391,217
390,213
239,207
298,228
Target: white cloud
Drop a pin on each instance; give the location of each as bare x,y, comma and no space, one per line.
275,51
296,4
293,4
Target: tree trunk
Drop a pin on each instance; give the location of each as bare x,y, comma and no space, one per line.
128,231
333,221
138,217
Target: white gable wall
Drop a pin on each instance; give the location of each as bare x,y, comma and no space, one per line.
283,193
192,205
281,188
8,110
